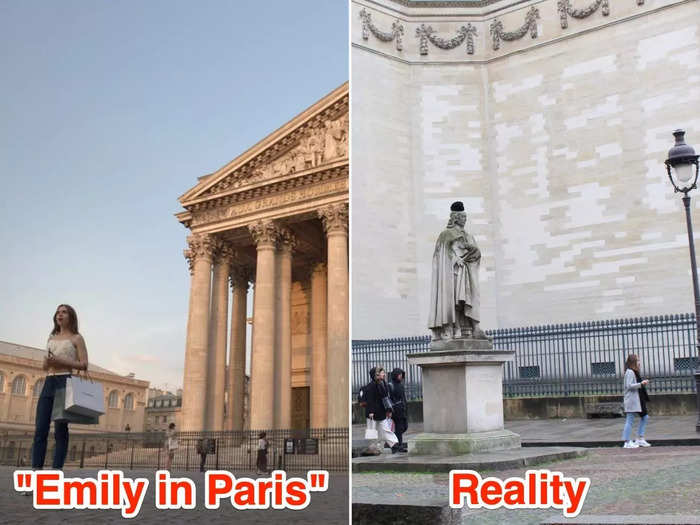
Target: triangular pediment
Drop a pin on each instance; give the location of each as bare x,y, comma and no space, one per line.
315,138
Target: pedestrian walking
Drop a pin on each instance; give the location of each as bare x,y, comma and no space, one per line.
261,463
399,408
203,448
635,402
378,408
171,445
66,352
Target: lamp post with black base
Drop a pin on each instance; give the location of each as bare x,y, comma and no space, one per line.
682,168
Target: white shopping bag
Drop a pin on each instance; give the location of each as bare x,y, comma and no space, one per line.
371,430
84,396
388,432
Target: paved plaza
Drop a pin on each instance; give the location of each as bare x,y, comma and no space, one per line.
656,481
634,482
330,507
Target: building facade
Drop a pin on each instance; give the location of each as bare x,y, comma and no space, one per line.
551,121
162,409
276,217
22,378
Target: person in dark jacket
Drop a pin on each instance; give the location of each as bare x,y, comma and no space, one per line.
203,446
374,396
399,408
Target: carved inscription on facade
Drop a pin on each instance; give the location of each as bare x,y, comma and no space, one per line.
300,195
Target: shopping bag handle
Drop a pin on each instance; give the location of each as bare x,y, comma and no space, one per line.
86,375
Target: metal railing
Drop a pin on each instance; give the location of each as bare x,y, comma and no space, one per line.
290,450
563,359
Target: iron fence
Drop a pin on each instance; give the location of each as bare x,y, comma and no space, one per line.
290,450
563,359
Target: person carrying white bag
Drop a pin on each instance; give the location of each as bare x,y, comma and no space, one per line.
375,398
66,352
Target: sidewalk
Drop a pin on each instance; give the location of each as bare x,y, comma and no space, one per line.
661,430
330,507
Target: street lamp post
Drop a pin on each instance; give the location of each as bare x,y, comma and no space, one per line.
682,168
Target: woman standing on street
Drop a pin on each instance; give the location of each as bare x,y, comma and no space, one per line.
635,402
66,352
171,446
261,463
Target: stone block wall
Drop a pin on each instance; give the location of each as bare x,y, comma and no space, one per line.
556,146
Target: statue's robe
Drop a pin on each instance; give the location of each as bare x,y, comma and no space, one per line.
452,283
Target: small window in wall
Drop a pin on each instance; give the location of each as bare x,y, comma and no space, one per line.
37,388
685,363
129,402
113,401
2,382
604,368
528,372
19,385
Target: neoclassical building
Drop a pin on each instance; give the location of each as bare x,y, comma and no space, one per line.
275,217
22,378
163,408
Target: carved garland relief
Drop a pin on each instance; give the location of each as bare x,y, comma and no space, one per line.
498,34
385,36
427,34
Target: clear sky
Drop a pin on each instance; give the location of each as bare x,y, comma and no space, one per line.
109,111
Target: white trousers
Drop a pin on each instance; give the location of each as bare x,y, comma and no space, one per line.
385,433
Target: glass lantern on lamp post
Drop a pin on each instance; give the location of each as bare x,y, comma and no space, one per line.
682,168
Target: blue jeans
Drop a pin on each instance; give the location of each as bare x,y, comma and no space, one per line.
43,421
628,425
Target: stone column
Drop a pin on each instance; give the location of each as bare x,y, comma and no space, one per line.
218,332
283,344
262,387
335,224
319,347
236,363
194,398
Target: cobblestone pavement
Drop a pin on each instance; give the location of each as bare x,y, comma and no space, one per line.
330,507
662,480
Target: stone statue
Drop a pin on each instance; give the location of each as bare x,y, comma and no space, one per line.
454,288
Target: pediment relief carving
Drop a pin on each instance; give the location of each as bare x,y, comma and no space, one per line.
319,142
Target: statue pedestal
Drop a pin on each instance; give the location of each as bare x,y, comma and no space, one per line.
462,399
